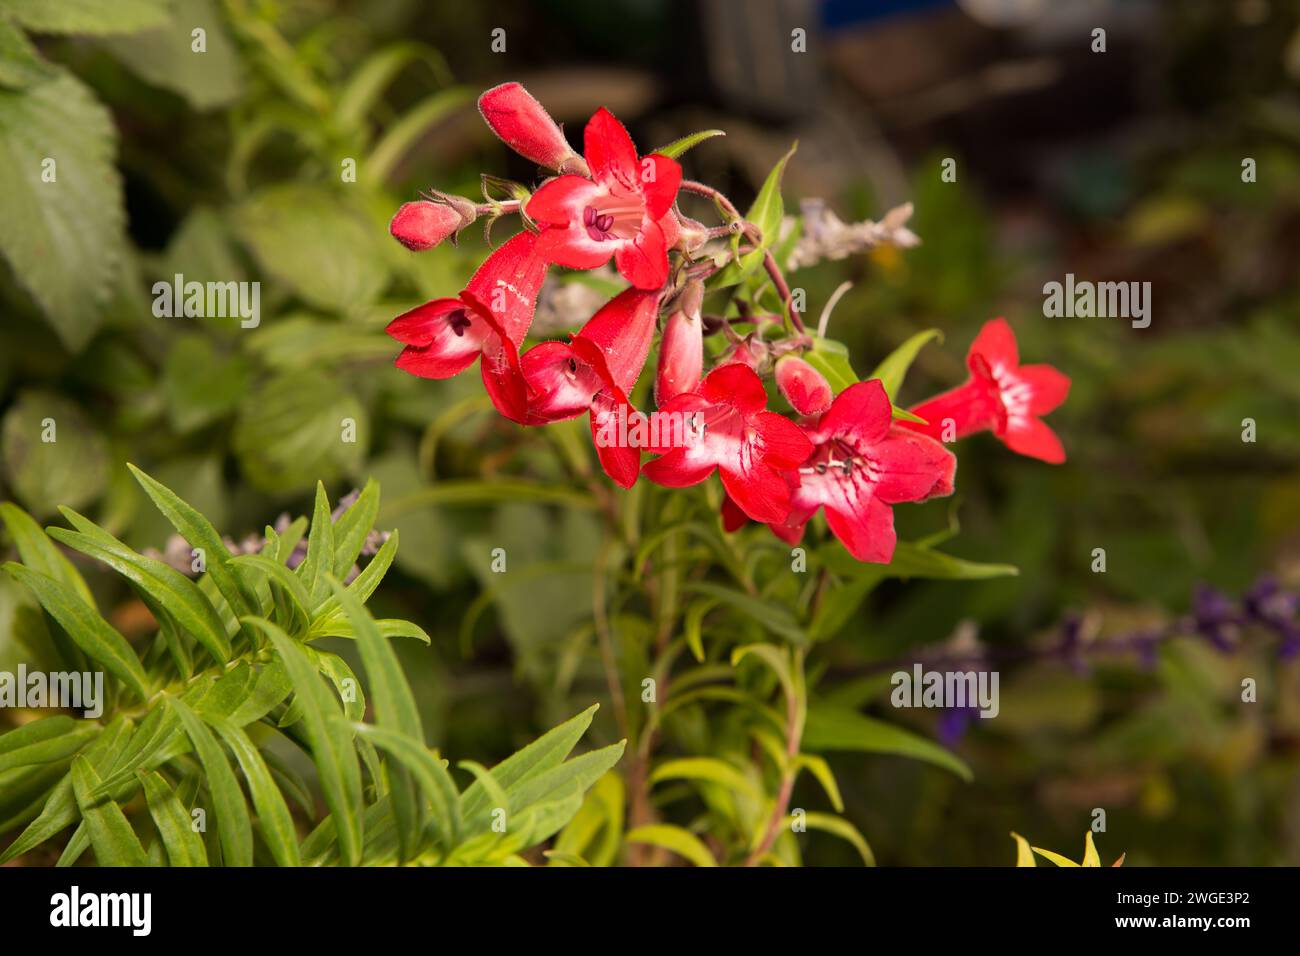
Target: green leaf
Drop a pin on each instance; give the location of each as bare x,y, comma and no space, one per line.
429,773
86,16
331,742
395,710
679,146
709,769
543,754
894,368
833,728
62,238
682,842
181,597
766,212
329,613
233,825
20,64
184,846
198,531
353,528
401,136
201,384
773,617
841,828
369,80
559,785
273,814
915,561
319,562
44,741
164,56
51,452
317,242
388,627
95,636
110,834
288,431
820,769
39,553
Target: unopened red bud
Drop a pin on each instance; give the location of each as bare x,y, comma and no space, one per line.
524,125
805,388
422,225
681,356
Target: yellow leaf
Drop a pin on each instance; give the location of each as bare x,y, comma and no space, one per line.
1024,856
1090,857
1054,857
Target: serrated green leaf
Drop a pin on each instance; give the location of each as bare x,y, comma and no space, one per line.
62,238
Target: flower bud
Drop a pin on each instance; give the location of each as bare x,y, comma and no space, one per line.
523,125
422,225
681,357
805,388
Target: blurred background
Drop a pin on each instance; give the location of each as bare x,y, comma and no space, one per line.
1122,165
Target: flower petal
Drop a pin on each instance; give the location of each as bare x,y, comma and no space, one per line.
733,519
660,179
560,385
623,329
561,201
427,362
508,282
912,467
735,384
783,443
643,259
503,380
1032,437
571,247
609,149
621,462
861,412
524,125
760,492
996,344
867,531
1050,387
676,470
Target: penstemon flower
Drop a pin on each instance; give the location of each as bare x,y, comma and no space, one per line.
623,210
1002,396
851,455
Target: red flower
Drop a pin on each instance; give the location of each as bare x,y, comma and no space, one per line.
805,388
489,318
524,125
1001,395
681,356
622,211
861,464
593,372
739,438
422,225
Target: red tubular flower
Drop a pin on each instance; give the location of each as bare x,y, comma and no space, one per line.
593,372
861,464
681,350
422,225
805,388
524,125
1001,395
738,437
622,211
491,316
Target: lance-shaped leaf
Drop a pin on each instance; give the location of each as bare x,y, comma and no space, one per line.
110,834
184,847
330,738
272,812
95,636
233,825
